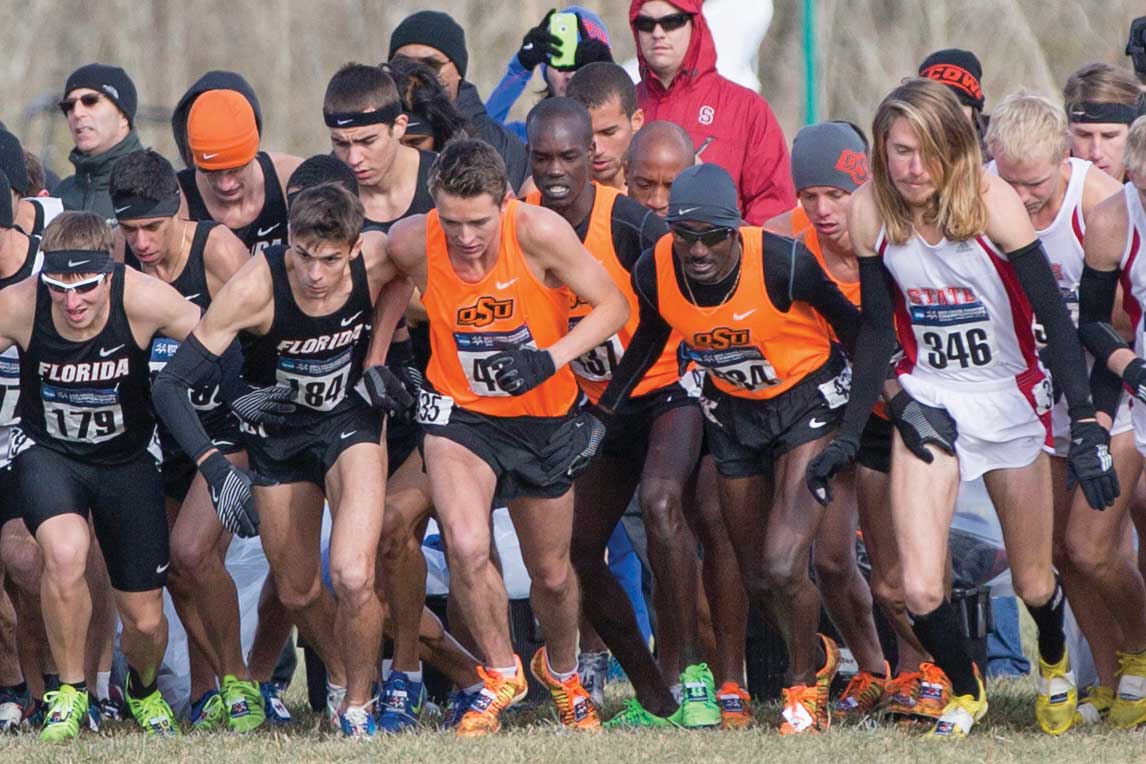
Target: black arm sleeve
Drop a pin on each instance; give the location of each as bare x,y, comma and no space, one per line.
192,365
1096,292
648,340
874,346
1063,346
810,284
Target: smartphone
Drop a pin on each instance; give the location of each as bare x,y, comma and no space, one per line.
563,26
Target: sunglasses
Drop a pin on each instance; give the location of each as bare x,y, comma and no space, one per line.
669,23
79,287
436,64
87,99
709,237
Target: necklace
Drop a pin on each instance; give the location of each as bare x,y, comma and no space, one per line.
709,310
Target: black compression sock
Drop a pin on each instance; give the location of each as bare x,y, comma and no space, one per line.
15,689
78,686
51,682
1048,618
940,635
136,687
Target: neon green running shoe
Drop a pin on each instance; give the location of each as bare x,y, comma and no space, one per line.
152,713
698,701
67,709
634,716
208,713
244,704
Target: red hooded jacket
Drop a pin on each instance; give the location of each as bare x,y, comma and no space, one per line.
738,125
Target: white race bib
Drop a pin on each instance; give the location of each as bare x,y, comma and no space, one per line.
317,384
954,336
82,415
474,351
434,408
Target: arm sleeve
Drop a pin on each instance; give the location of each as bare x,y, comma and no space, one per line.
505,95
810,284
1096,292
766,188
1064,349
874,345
647,343
192,365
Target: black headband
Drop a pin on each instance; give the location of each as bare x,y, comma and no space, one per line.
387,114
131,207
1102,113
77,261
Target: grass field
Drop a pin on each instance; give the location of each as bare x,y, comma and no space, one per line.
1007,735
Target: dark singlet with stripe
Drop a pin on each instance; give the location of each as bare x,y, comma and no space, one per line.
92,399
10,360
320,357
422,201
266,230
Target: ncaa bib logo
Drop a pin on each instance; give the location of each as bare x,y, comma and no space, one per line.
706,116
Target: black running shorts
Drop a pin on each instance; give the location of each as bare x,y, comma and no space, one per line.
628,434
875,444
125,502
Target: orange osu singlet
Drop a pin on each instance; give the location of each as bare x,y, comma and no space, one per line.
751,349
469,323
595,368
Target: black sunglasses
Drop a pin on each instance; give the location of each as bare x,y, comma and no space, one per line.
709,237
669,23
87,99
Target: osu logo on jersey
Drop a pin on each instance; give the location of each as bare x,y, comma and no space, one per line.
721,338
485,311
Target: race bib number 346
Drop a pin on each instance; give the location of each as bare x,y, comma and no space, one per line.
954,337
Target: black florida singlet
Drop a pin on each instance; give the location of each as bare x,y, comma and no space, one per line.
90,400
10,359
422,201
320,357
268,229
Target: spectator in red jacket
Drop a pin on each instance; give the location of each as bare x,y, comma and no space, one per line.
730,125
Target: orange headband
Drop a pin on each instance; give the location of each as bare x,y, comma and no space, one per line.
221,130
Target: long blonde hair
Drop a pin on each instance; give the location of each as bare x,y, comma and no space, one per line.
950,151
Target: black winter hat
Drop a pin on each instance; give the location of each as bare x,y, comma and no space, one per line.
13,164
959,70
112,81
435,29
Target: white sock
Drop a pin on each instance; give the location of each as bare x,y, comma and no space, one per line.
677,691
415,676
560,676
103,685
507,673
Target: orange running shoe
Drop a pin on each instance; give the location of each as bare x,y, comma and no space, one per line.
934,693
575,707
497,694
901,694
862,696
800,710
734,711
824,679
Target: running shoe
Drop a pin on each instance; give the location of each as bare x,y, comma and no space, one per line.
901,694
961,713
1129,707
862,696
67,708
575,708
357,723
401,702
456,706
113,708
11,709
1094,706
1057,697
244,704
824,679
735,712
93,717
934,693
698,698
593,668
634,716
208,712
273,705
153,714
800,710
38,714
483,717
335,695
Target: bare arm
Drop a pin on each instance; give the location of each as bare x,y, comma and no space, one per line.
391,292
18,313
154,307
223,257
245,302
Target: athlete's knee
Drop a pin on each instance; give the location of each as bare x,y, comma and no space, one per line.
147,622
353,581
298,597
554,577
923,597
1033,586
784,570
190,561
23,563
466,557
834,570
65,561
661,508
888,596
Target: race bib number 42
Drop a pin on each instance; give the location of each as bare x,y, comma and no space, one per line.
82,416
954,337
474,351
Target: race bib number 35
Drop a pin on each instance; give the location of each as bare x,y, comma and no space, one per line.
82,416
954,337
317,384
475,350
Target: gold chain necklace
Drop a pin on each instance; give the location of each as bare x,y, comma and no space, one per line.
709,310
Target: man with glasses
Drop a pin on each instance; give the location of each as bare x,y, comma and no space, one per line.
728,123
99,104
433,38
750,308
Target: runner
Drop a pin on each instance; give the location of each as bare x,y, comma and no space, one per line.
307,310
611,98
499,409
658,153
1101,102
936,226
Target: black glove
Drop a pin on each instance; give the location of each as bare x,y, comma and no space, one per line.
1090,464
231,494
839,455
1134,378
387,393
265,405
1136,45
589,49
519,370
538,44
573,446
920,425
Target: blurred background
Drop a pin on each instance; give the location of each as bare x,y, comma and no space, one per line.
289,48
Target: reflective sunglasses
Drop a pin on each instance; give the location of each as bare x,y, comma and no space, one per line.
79,287
709,237
669,23
87,99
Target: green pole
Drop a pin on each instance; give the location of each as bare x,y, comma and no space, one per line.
809,61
